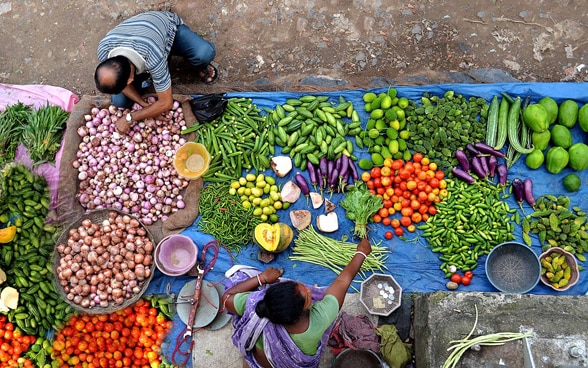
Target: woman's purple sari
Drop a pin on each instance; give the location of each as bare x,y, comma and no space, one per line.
279,348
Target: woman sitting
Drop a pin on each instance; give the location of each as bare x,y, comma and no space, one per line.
286,324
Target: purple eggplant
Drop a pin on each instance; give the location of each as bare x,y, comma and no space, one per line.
518,190
477,167
484,163
463,175
302,183
472,150
339,162
312,173
353,170
322,179
324,168
344,168
463,160
332,180
484,148
528,190
502,171
492,163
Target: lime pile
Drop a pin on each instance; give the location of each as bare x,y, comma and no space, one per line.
261,193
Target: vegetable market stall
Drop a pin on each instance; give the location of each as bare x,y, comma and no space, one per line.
411,260
412,263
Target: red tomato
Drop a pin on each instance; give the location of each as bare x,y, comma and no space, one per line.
465,280
399,231
469,274
376,172
388,235
456,277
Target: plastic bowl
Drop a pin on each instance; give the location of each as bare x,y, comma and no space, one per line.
572,264
175,255
513,267
191,160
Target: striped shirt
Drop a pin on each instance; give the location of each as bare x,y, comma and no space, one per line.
146,39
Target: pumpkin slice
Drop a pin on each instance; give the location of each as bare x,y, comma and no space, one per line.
267,236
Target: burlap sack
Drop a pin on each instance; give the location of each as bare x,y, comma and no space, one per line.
69,208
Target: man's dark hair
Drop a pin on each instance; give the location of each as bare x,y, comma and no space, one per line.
120,66
283,303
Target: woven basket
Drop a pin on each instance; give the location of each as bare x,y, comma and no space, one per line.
97,217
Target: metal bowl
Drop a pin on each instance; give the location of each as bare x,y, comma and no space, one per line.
513,267
380,294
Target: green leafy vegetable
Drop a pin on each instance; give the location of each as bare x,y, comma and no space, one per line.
43,132
360,205
12,119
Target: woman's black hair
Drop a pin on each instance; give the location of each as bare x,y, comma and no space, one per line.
120,67
283,303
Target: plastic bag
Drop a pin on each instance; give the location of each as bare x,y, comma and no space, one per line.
206,108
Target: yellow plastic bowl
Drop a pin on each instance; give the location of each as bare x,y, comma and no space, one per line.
192,160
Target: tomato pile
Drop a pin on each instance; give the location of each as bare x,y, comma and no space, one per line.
408,188
12,344
131,337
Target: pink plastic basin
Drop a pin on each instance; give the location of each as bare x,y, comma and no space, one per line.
175,255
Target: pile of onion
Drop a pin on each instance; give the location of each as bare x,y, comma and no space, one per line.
130,172
102,265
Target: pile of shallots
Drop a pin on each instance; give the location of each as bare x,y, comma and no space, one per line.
130,172
102,265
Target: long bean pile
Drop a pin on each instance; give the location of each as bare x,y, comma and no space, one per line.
312,247
471,221
494,339
43,132
237,140
12,119
223,217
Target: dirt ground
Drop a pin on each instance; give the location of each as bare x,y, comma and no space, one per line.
274,44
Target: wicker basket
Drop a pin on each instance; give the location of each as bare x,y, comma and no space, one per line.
97,217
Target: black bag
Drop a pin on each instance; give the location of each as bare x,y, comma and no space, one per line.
206,108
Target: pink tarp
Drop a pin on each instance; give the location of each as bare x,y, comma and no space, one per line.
39,96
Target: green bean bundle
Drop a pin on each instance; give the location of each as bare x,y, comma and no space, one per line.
312,247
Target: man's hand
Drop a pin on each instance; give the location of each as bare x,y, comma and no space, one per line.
122,126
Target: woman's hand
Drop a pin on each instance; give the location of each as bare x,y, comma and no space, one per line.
271,275
364,246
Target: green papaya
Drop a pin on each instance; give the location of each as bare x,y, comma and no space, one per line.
561,136
583,117
552,109
541,140
536,118
578,156
568,113
556,160
535,159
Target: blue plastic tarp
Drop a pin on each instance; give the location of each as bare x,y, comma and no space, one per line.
412,264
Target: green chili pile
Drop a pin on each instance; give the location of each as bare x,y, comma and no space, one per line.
312,247
223,216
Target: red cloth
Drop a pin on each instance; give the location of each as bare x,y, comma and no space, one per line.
355,332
